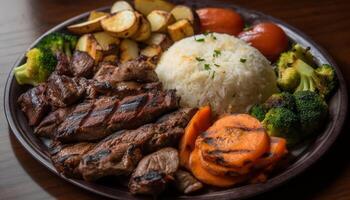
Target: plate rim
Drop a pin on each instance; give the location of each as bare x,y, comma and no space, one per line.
274,182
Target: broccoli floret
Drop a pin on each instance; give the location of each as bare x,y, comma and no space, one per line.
282,122
258,111
59,42
296,72
280,100
39,65
312,109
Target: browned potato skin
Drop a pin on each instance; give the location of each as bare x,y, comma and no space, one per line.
88,43
129,50
147,6
160,20
96,14
125,32
144,31
87,27
110,58
152,51
183,12
121,5
161,40
180,30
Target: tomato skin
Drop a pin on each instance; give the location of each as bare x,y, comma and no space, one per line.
268,38
220,20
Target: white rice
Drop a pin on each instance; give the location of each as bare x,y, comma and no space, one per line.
239,76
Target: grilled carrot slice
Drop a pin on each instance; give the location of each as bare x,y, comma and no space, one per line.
199,123
278,148
204,176
234,141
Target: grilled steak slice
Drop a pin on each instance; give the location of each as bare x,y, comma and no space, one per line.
49,124
154,172
116,155
141,109
73,121
186,183
34,104
66,158
124,89
170,129
63,66
64,91
105,72
140,70
82,64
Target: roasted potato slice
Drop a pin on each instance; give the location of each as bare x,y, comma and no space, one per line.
144,31
147,6
160,20
88,43
122,24
87,27
110,58
96,14
129,50
120,6
180,30
152,51
183,12
159,39
106,41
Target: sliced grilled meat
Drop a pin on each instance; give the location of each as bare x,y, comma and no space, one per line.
49,124
186,183
141,109
170,129
73,121
124,89
82,64
64,91
140,70
105,72
34,104
66,158
116,155
63,66
154,172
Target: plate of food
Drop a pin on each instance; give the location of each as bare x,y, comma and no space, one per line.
175,99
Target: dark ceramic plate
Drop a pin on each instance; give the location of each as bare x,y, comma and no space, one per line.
304,156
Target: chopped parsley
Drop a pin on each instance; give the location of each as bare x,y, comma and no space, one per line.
243,60
216,65
199,59
199,39
217,53
213,75
207,67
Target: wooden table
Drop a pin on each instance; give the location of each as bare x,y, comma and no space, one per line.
22,177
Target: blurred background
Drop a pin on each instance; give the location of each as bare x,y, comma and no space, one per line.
22,21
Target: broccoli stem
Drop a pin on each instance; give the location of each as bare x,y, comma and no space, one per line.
22,75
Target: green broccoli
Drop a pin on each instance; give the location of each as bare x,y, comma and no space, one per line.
282,122
258,111
39,65
59,42
280,100
296,72
312,110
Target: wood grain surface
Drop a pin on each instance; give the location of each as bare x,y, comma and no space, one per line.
22,177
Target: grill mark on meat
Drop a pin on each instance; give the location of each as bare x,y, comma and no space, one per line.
96,157
132,104
82,64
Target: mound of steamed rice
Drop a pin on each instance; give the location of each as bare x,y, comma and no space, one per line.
222,71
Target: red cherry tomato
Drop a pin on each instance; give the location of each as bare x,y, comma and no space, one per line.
268,38
220,20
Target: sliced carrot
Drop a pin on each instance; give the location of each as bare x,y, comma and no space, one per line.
278,148
206,177
234,141
200,122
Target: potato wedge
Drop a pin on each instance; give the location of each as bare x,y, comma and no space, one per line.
144,31
110,58
147,6
106,41
180,30
152,51
88,44
96,14
161,40
87,27
120,6
183,12
129,50
160,20
122,24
